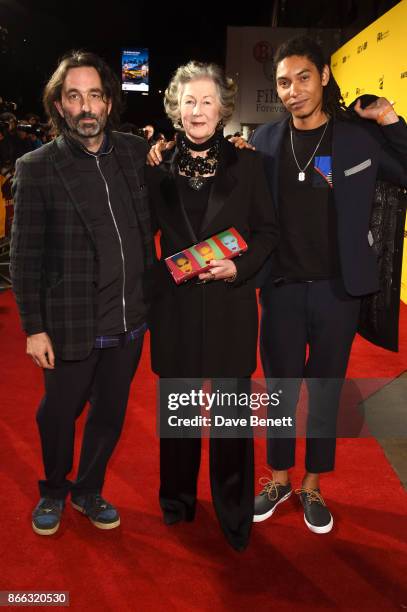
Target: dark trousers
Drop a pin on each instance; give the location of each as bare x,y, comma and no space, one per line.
323,316
231,466
104,379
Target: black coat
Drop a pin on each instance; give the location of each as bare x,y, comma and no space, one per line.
54,266
379,312
210,330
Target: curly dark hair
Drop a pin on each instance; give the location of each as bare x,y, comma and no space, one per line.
78,59
332,101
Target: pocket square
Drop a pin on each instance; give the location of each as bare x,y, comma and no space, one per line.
362,166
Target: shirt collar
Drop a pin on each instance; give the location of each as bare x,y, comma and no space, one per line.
77,147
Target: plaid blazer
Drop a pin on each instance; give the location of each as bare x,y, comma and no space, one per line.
54,266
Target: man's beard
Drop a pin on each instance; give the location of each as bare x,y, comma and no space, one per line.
73,123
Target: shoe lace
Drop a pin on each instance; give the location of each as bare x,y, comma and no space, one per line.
270,487
312,495
49,504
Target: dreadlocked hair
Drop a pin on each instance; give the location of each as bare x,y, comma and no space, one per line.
332,101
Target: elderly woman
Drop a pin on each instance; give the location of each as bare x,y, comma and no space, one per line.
207,327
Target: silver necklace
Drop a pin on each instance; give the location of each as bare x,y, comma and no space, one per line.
301,173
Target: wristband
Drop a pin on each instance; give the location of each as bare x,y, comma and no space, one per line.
384,113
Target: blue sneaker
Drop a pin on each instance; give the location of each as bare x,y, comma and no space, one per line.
46,515
102,514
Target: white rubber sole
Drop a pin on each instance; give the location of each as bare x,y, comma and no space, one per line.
45,532
259,518
324,529
96,523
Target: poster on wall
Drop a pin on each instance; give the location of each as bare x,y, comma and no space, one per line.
135,70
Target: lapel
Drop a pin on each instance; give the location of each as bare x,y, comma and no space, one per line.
173,201
272,149
341,141
66,168
126,160
223,185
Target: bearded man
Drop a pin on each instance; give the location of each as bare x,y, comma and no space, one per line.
81,250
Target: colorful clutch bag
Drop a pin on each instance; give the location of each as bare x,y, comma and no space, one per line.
194,260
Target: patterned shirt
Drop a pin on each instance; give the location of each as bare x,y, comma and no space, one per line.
102,342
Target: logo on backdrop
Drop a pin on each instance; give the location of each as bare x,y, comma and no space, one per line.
262,51
382,35
362,47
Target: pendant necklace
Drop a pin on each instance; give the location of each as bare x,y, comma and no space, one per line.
301,173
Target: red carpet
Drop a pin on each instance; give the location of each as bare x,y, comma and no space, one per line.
143,565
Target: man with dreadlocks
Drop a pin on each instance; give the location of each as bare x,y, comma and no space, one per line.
322,162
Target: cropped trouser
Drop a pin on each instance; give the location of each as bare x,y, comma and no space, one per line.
323,316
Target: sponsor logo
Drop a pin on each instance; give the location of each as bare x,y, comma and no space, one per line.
382,35
262,51
362,47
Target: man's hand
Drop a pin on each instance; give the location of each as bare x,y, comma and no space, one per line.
241,143
381,111
39,347
154,156
219,269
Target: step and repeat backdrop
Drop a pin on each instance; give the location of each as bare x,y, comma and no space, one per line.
375,62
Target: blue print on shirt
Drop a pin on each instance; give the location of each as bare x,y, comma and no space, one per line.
322,176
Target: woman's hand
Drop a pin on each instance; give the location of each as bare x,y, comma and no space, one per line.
154,156
220,269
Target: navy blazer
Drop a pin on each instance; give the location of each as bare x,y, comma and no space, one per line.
361,153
